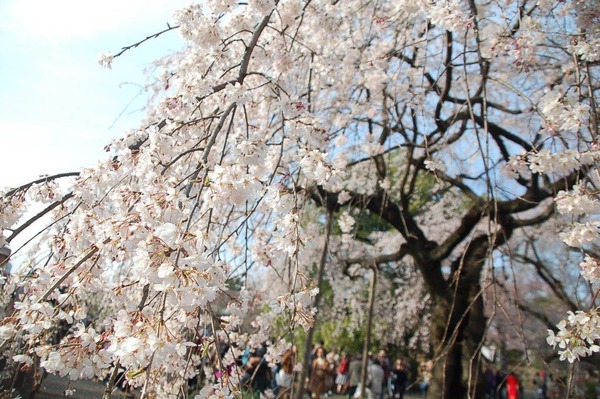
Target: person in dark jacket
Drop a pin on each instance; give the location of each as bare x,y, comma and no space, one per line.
257,376
399,379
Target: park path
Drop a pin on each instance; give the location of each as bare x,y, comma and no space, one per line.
54,387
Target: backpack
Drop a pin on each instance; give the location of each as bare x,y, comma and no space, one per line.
343,369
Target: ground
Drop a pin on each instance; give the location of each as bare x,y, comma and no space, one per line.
54,387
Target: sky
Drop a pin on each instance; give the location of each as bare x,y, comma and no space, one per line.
58,107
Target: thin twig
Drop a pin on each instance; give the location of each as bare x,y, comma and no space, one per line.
154,36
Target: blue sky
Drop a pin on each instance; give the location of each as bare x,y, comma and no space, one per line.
57,106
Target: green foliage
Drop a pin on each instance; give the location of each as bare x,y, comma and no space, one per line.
424,187
334,333
337,334
327,294
424,193
591,389
235,283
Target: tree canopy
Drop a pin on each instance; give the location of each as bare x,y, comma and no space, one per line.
435,134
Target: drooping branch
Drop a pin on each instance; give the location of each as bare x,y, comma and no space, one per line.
38,216
243,72
530,310
44,179
91,252
251,46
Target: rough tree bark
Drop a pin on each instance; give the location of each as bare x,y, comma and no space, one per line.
458,327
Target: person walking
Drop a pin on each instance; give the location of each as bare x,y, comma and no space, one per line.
285,376
319,373
333,358
342,374
512,386
375,379
490,383
425,377
354,373
398,379
543,384
257,377
501,377
384,362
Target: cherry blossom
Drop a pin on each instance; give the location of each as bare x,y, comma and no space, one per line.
276,115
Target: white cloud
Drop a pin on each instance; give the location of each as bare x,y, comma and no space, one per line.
61,20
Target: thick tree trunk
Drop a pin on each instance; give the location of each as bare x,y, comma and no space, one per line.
457,332
456,335
447,371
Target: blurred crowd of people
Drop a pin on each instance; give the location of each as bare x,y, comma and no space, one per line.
328,372
502,384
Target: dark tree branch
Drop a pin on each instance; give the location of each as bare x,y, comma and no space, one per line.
545,274
381,259
468,222
154,36
45,179
38,216
498,131
544,216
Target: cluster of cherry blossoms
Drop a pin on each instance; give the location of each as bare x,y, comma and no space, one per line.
199,219
570,118
154,233
578,336
545,161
